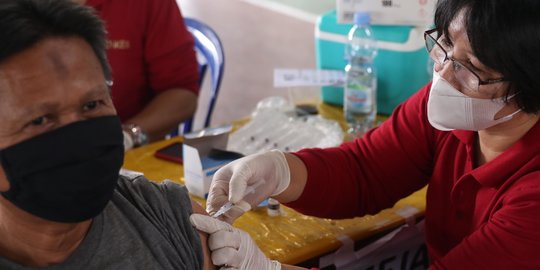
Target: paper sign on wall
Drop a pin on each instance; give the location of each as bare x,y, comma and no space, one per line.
388,12
308,77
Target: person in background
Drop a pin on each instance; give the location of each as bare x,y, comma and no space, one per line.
154,66
63,204
472,134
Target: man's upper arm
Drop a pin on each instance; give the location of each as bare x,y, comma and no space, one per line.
166,208
208,265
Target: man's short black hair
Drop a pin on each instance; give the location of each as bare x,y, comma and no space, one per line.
24,23
505,36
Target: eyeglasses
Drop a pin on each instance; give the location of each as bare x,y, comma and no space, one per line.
464,75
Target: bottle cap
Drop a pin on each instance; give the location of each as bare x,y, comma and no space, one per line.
361,18
273,209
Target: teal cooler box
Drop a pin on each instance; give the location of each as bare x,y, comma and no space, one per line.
401,63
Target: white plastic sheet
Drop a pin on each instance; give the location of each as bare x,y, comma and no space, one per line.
275,126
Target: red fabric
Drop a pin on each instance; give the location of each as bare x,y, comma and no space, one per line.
149,51
476,218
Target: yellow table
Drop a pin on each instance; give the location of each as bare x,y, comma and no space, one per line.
291,238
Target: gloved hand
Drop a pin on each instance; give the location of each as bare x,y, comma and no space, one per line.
268,172
232,248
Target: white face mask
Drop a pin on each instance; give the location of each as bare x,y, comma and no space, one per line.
449,109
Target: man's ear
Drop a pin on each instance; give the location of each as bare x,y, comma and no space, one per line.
4,183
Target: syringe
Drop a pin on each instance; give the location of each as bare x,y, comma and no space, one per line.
227,206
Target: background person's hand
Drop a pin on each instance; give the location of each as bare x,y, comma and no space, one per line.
128,141
232,248
268,172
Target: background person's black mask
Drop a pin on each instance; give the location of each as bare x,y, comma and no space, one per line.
68,174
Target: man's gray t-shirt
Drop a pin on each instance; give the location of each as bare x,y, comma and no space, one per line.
144,226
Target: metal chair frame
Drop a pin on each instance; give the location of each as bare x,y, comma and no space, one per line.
208,46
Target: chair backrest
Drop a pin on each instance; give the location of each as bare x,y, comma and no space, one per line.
210,49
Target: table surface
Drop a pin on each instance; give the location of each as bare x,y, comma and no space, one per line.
292,237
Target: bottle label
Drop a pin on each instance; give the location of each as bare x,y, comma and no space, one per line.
358,98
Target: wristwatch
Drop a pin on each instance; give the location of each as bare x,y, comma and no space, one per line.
136,133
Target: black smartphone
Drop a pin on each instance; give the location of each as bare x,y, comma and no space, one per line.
171,152
306,109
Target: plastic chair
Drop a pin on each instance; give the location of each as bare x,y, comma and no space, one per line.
210,54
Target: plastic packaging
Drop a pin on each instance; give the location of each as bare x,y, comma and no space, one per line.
360,96
274,125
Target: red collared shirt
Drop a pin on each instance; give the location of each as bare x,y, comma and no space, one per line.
149,50
485,217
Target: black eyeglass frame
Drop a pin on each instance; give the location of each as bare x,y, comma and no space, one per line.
427,34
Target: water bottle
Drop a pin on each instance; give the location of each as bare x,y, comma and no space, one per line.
360,93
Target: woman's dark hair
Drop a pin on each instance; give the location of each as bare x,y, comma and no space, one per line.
23,23
505,36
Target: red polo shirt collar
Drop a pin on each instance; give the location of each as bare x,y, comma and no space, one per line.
494,173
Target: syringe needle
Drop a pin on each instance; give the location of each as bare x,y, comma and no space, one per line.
227,206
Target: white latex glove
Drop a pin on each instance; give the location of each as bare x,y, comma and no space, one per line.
230,182
232,248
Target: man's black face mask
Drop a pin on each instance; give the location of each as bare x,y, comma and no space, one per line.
68,174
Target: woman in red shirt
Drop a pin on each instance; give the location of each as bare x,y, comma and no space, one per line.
471,134
154,65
